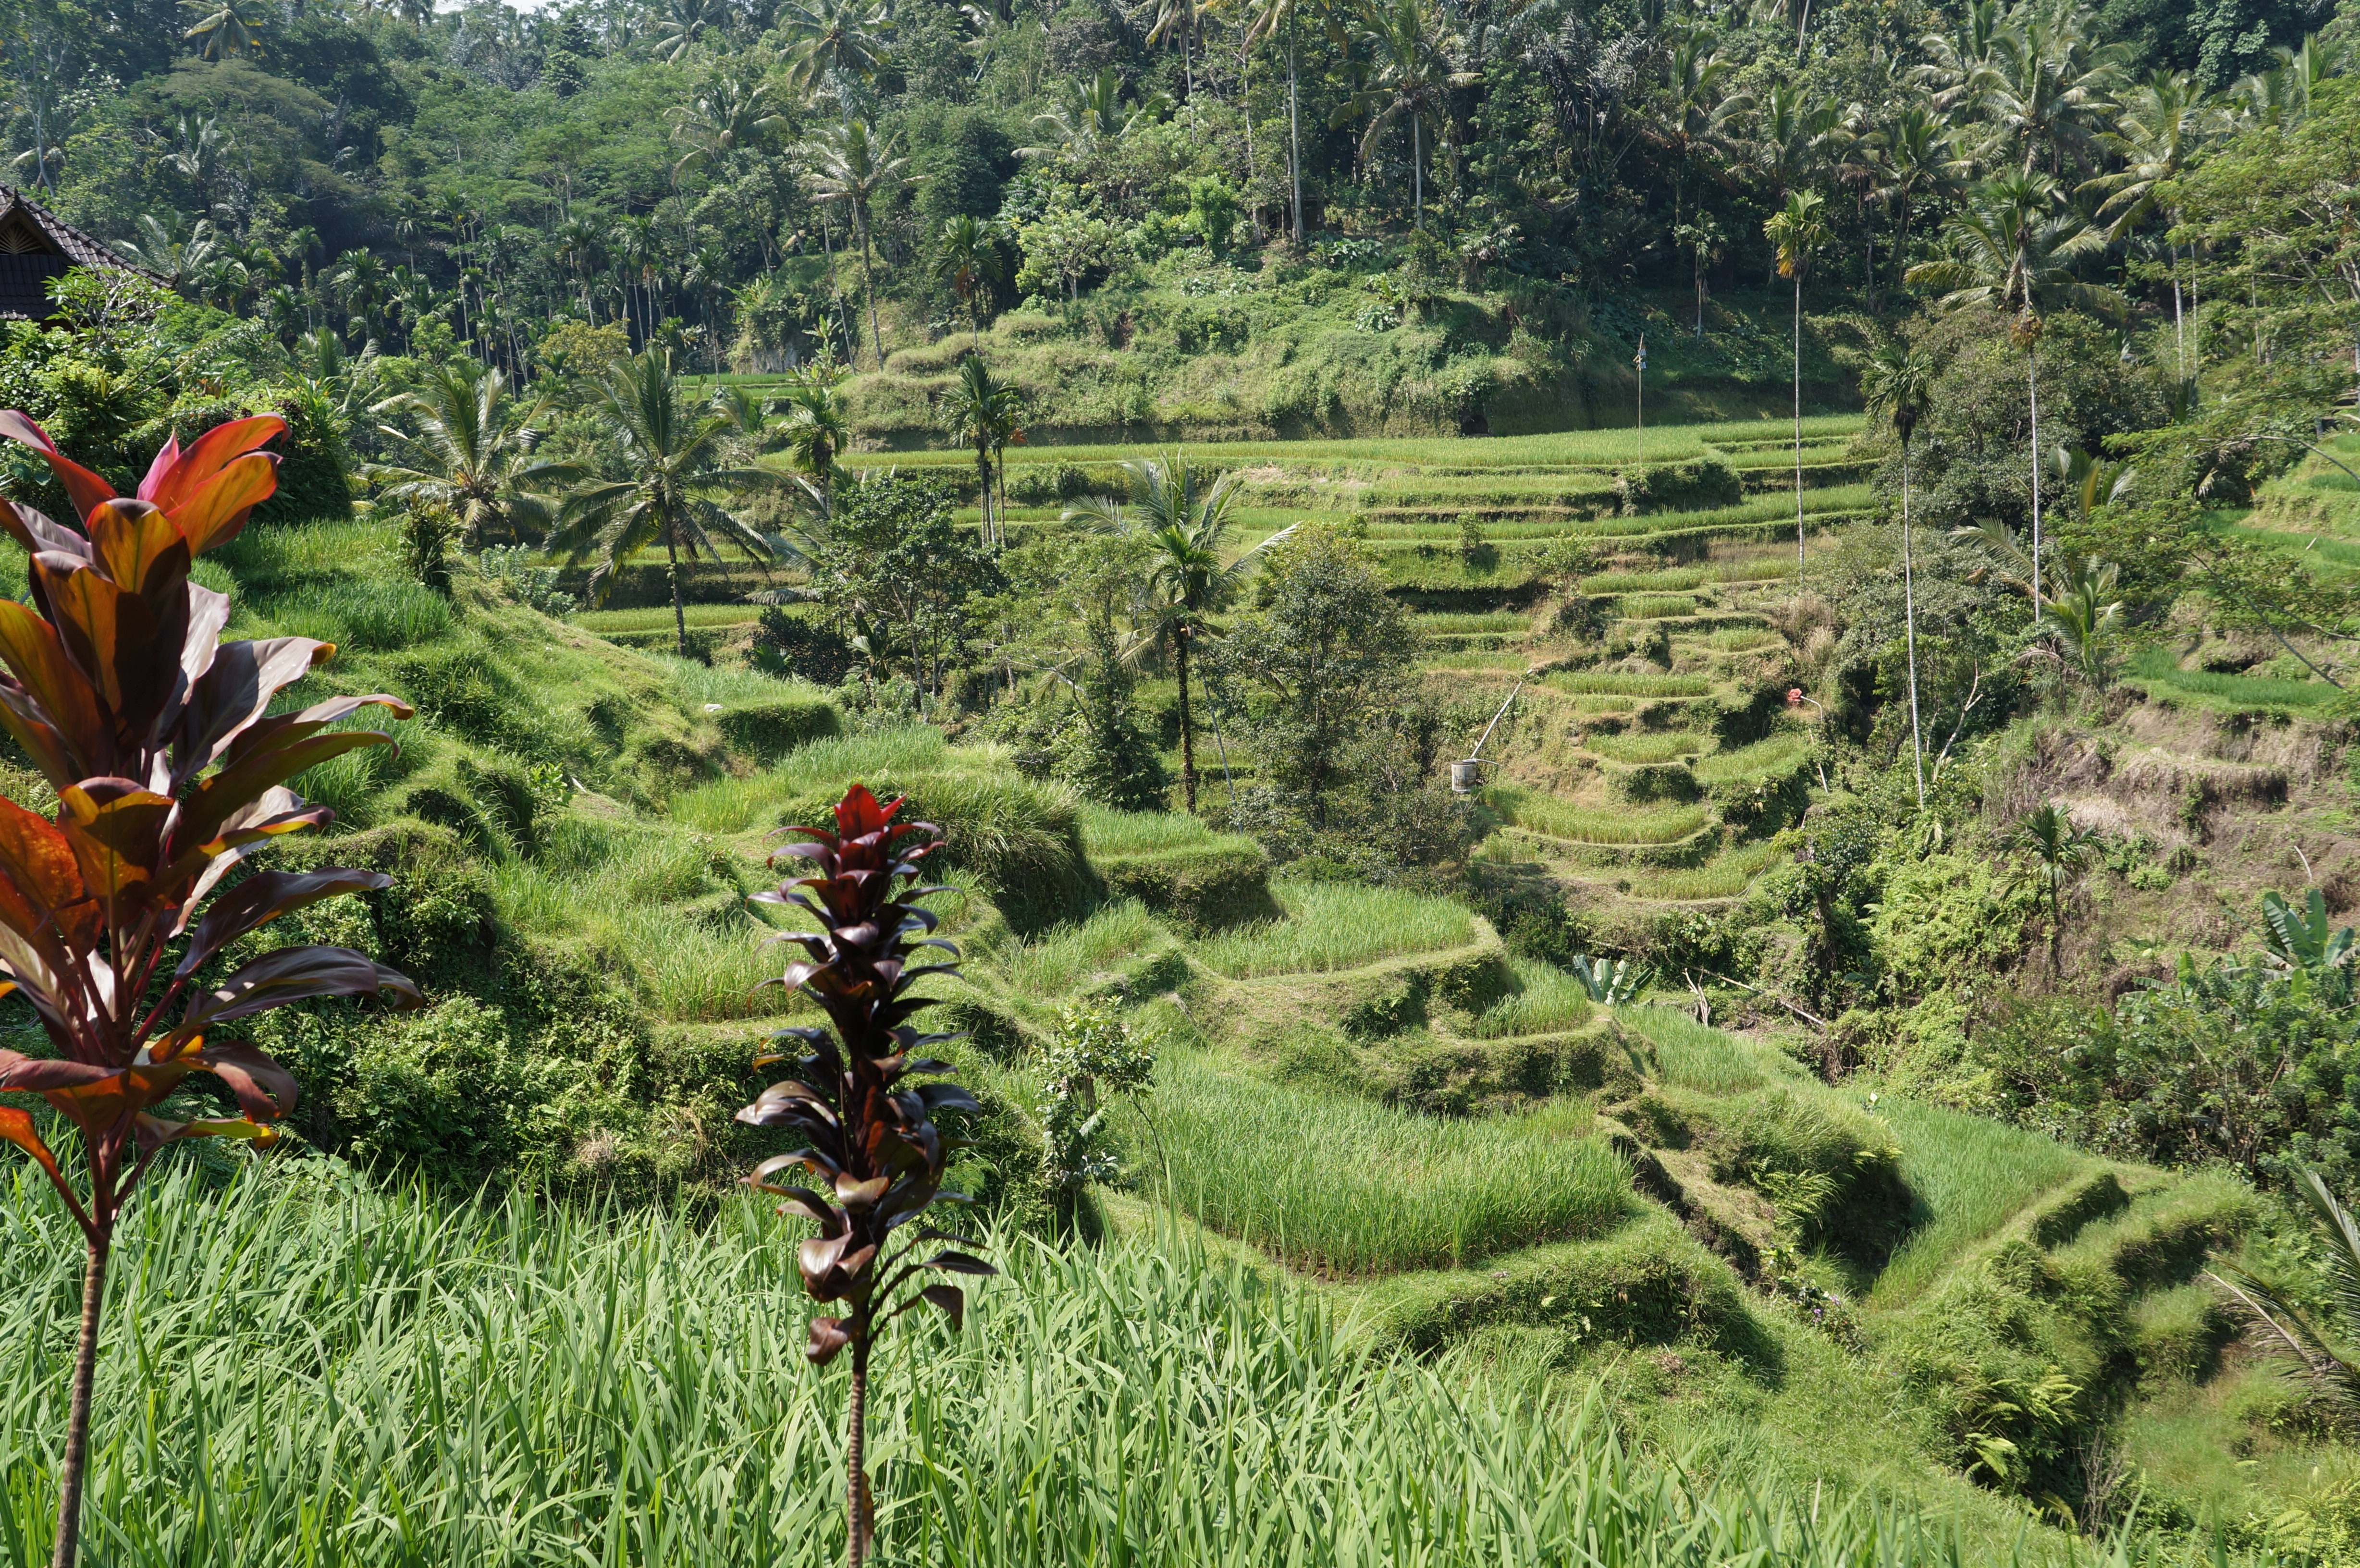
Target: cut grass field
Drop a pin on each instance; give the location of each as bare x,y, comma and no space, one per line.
1338,925
2156,670
1530,809
1662,444
1259,1161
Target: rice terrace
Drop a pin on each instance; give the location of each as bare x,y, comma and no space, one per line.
1180,784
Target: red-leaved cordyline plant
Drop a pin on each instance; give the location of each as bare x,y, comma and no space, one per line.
152,731
873,1143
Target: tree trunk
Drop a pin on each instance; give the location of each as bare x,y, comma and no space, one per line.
857,1523
1293,131
1187,722
68,1546
1909,622
679,614
983,484
1699,293
869,287
1798,422
2032,384
1417,167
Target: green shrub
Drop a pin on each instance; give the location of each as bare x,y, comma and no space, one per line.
768,731
1221,885
1698,484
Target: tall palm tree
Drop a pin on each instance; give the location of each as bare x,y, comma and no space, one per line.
851,165
227,27
681,24
1697,112
1089,112
1957,65
677,456
1179,19
2014,249
983,413
726,121
2048,89
1918,161
1799,231
2059,852
2159,126
970,259
839,41
1411,78
813,431
1899,385
1184,514
1264,17
468,449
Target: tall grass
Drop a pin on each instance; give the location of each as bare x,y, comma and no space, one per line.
1546,1000
1345,1186
1500,621
696,684
1972,1176
1337,925
1643,746
1064,958
1693,1056
1520,806
1764,759
659,617
1723,876
362,613
1111,833
734,805
331,1378
2155,667
1618,683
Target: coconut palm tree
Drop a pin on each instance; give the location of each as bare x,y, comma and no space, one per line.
851,165
681,24
726,120
1899,385
969,260
677,456
1089,113
1184,514
1697,112
1916,161
1799,231
2159,126
1411,78
813,432
2049,88
2059,852
2014,249
468,449
983,413
1264,17
227,27
839,41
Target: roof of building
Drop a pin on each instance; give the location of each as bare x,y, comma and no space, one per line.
36,246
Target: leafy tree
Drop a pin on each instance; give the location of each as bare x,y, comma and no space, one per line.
1184,517
1328,656
677,456
1798,231
2012,249
896,562
868,1136
472,455
154,736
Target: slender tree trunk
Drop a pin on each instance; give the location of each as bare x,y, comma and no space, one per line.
857,1523
2032,384
1294,130
1418,168
68,1546
679,614
1187,722
983,484
1799,422
1699,293
1909,622
869,287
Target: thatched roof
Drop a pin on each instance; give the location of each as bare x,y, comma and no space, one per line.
35,245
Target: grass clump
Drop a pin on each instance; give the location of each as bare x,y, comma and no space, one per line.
1547,1001
1536,813
1332,925
1346,1187
1647,746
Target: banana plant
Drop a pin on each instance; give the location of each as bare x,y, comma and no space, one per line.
2302,941
1612,980
169,766
873,1145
